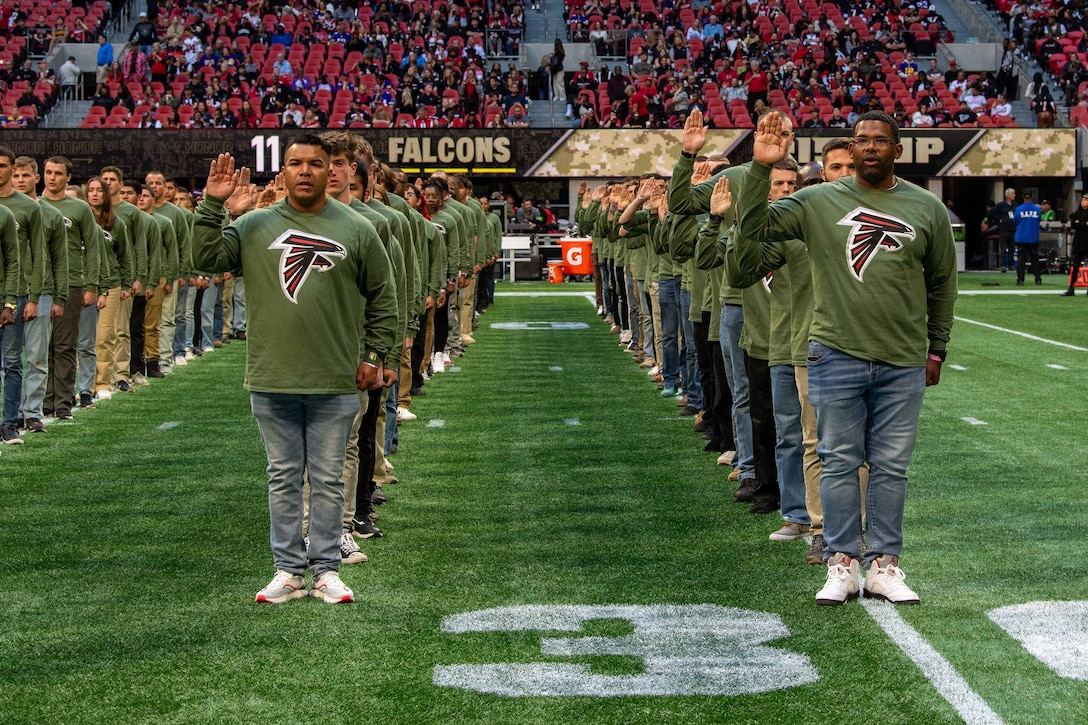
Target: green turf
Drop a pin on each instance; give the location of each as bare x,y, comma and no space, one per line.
132,553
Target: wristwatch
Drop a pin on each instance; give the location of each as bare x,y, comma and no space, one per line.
10,306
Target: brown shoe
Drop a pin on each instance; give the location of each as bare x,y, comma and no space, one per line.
735,475
659,378
815,553
682,401
648,363
747,491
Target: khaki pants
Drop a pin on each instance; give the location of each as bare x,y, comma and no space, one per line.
167,325
468,305
152,314
655,310
404,389
428,340
124,338
228,295
380,474
107,347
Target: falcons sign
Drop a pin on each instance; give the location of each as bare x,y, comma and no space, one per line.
870,232
302,253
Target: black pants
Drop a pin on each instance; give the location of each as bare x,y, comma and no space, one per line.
418,352
761,410
1079,249
1024,252
367,455
717,399
619,278
442,326
136,334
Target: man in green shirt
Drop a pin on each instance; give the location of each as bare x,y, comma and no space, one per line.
884,292
322,321
83,274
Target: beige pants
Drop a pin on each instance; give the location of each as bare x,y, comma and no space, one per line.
404,389
228,295
655,310
381,476
468,304
107,346
124,340
152,314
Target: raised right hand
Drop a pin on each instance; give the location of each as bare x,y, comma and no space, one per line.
222,177
721,199
694,132
772,142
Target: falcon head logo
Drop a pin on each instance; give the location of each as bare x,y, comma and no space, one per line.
768,280
302,253
871,231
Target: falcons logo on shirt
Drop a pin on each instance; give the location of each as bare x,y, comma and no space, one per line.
768,279
302,253
871,231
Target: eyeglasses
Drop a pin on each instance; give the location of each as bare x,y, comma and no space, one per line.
881,142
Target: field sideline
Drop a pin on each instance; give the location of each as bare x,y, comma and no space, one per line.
559,550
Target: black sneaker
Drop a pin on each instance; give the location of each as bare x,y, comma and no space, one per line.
378,497
689,412
240,335
764,506
365,529
416,392
10,435
35,425
124,387
86,400
63,415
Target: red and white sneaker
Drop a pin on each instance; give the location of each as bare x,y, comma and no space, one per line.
284,587
331,590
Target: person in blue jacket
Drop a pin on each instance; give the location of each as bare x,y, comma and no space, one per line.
1027,216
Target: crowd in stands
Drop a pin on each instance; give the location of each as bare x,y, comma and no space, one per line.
29,29
820,63
317,65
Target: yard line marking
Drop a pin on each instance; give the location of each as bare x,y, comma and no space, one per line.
571,421
973,421
958,367
978,292
675,417
453,369
1055,366
940,673
545,293
555,369
1022,334
168,425
592,299
436,423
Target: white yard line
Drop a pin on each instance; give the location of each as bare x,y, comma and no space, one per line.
571,421
940,673
988,326
980,292
169,425
958,367
974,421
436,423
1055,366
555,369
546,293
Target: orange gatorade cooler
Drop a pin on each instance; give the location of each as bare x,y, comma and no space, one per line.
555,272
577,255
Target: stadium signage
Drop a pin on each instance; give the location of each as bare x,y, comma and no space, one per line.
539,153
462,149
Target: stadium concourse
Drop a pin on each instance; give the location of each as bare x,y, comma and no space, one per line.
460,65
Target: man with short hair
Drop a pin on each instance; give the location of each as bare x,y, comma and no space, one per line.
1028,217
1004,214
50,303
179,313
882,287
161,236
31,284
84,260
304,403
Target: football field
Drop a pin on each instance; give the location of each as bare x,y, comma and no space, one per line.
559,549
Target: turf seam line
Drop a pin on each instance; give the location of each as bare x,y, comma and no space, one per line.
1022,334
939,671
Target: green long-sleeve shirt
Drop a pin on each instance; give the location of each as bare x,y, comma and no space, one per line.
451,234
56,254
883,262
182,220
466,228
32,258
383,218
306,277
170,259
415,267
137,234
477,210
117,256
436,259
84,255
9,257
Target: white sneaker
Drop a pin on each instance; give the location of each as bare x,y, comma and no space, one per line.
350,553
842,581
446,359
625,337
139,379
189,354
405,414
884,580
329,589
103,395
283,588
180,360
388,466
209,348
790,531
655,370
726,458
437,364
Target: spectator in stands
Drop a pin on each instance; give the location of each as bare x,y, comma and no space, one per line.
1044,107
143,34
555,69
102,98
69,76
282,67
529,214
713,29
964,117
837,120
642,65
103,60
814,120
974,99
281,36
1002,107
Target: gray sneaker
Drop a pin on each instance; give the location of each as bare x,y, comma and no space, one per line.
349,550
329,589
283,588
10,435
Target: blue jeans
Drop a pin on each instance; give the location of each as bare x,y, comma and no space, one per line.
238,306
207,315
86,351
178,342
36,335
632,308
217,320
390,432
606,284
668,292
864,411
732,322
11,353
305,434
647,322
789,449
693,386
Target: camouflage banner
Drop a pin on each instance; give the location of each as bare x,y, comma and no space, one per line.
541,153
